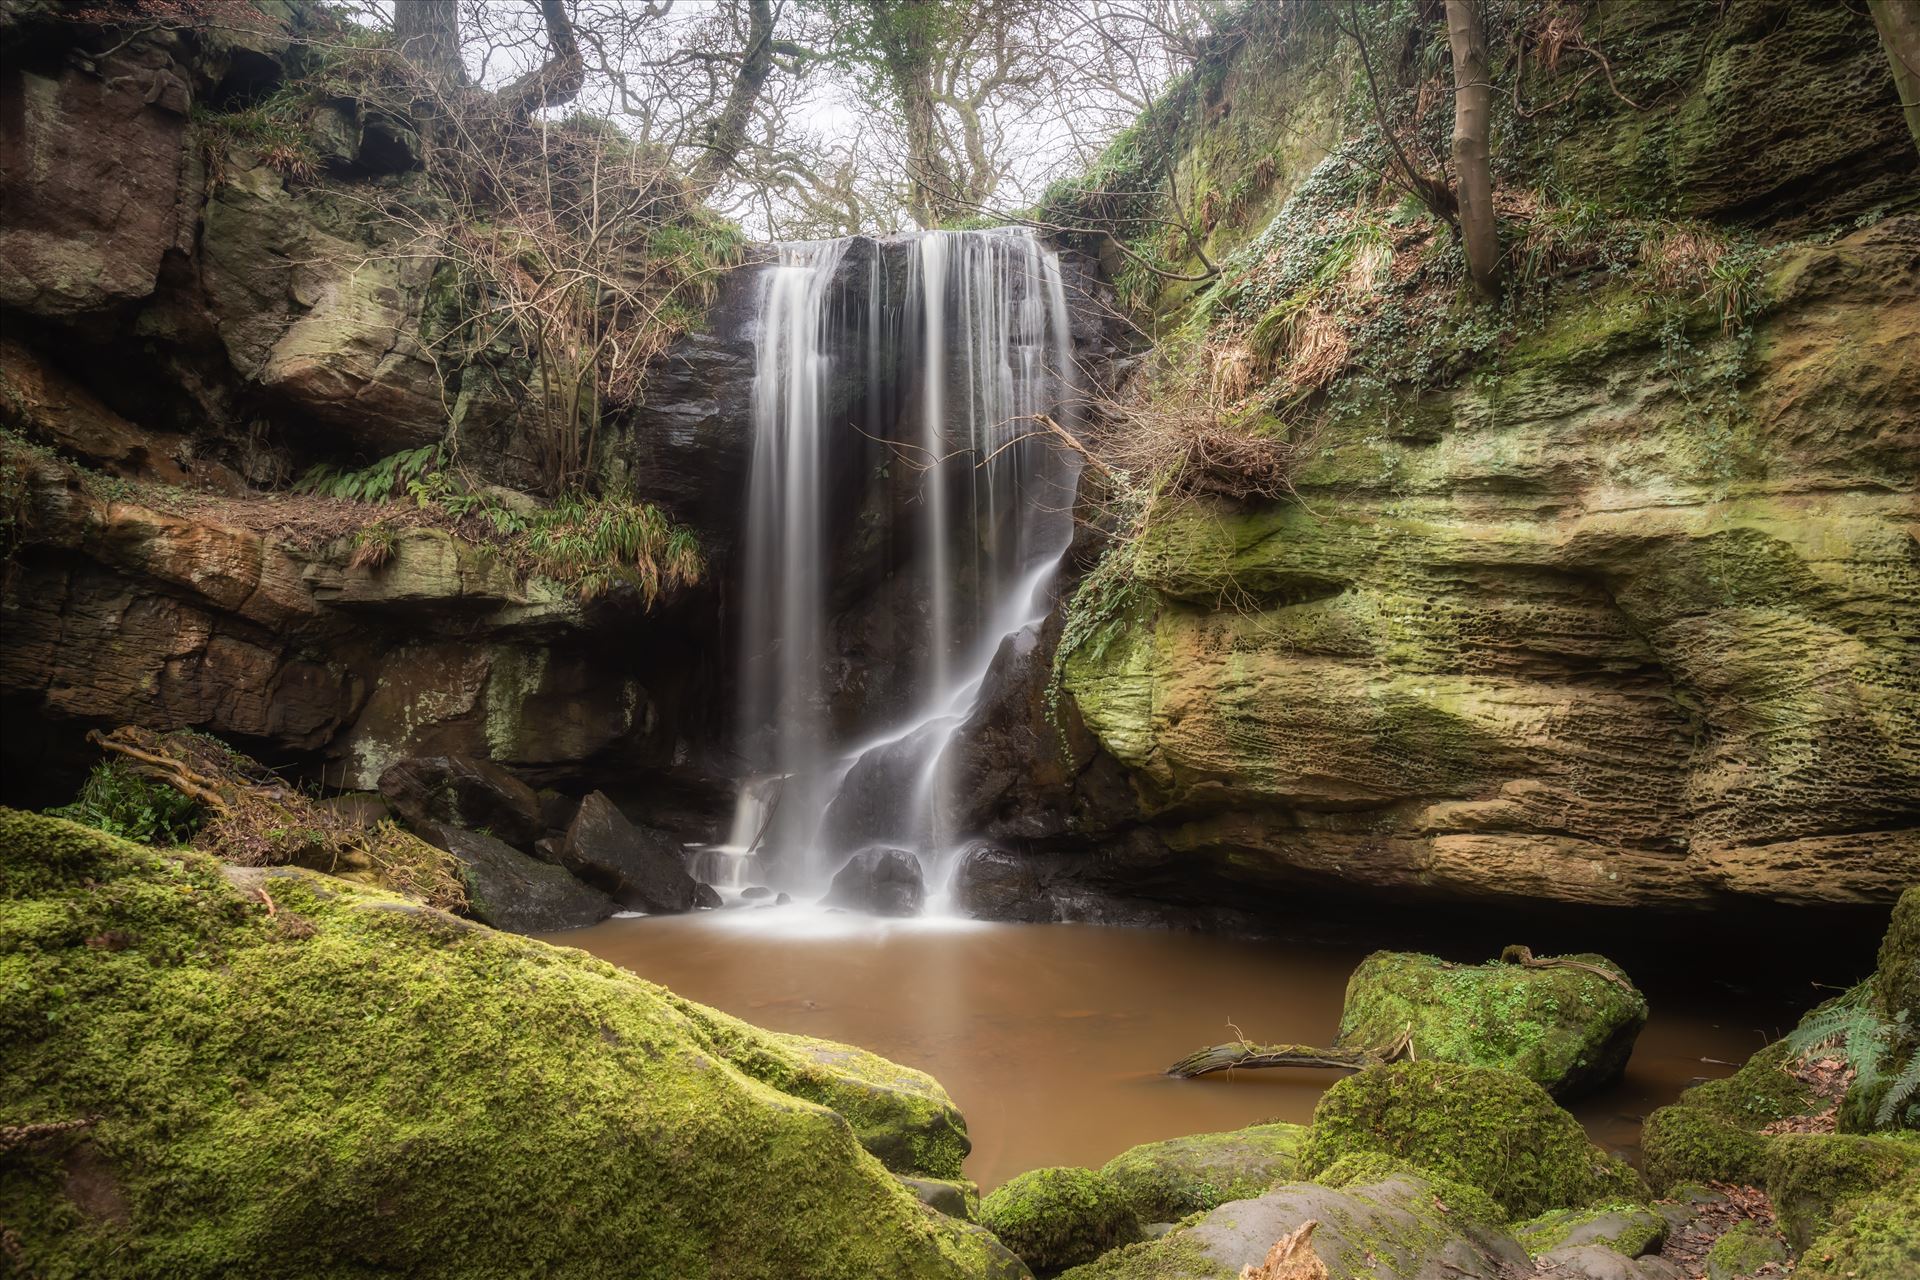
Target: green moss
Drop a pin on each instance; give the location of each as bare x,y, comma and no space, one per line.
1568,1030
1743,1250
1896,982
1364,1168
1629,1229
1878,1235
901,1115
1681,1144
1165,1181
1060,1217
1489,1128
1809,1175
354,1083
1177,1255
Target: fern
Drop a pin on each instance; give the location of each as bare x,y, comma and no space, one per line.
1863,1040
394,474
1904,1088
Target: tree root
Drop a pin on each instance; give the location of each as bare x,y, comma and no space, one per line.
1523,956
1245,1054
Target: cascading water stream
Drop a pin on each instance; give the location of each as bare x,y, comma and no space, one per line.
957,371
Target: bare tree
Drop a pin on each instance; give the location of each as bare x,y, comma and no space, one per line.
1472,119
427,33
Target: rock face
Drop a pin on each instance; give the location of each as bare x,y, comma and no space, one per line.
464,792
882,881
454,1120
1564,647
1568,1029
638,867
510,890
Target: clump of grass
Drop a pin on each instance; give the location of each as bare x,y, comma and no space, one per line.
119,801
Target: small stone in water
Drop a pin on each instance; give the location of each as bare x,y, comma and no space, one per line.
756,891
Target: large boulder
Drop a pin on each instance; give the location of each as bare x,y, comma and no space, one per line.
510,890
1166,1181
880,880
464,792
1403,1227
349,1082
1060,1217
1490,1129
639,867
1569,1028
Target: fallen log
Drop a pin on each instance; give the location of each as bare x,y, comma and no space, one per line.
1523,956
1248,1055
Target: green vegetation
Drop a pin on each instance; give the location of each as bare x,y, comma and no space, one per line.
1489,1128
588,545
1743,1250
120,802
1060,1217
1811,1175
1165,1181
1567,1029
1364,1168
1876,1235
343,1081
1630,1229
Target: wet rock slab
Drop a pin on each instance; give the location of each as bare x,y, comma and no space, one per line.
638,867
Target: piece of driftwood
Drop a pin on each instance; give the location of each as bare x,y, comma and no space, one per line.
1246,1054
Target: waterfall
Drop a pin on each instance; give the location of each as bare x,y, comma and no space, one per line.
940,388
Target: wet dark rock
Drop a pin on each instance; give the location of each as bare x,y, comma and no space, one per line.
880,880
996,883
782,899
639,867
557,809
756,891
464,792
511,891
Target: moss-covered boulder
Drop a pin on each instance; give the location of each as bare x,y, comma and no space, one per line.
1712,1133
1811,1176
1489,1128
1060,1217
1166,1181
1876,1235
1743,1250
1401,1227
1628,1229
1569,1028
305,1077
1461,1199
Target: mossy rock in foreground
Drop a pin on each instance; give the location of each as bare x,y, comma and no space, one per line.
1876,1235
1567,1029
1059,1217
1489,1128
308,1078
1166,1181
1810,1177
1743,1250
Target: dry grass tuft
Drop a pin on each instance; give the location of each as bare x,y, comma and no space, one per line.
254,819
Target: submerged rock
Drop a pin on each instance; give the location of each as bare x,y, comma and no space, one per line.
1054,1218
464,792
1166,1181
1568,1029
880,880
1400,1228
995,883
1490,1129
510,890
339,1085
639,867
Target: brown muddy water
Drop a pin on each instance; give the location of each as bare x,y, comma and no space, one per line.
1052,1038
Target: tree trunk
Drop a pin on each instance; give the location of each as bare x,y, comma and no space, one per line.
1472,120
559,79
427,33
728,133
1898,22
